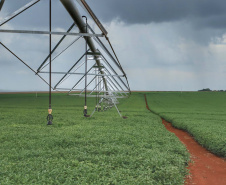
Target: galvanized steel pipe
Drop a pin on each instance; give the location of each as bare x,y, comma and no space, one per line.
72,9
1,4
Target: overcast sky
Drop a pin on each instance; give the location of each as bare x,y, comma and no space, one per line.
162,45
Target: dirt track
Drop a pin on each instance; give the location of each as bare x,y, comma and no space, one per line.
205,168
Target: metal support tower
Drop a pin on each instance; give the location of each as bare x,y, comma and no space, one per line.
108,79
50,117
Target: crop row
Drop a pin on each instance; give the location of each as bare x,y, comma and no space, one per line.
103,149
202,114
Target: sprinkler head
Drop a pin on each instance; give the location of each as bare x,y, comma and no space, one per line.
49,119
49,123
85,112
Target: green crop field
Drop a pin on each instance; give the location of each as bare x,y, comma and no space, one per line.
202,114
103,149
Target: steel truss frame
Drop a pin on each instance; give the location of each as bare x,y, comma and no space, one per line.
108,84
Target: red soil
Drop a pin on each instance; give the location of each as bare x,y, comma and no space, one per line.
205,168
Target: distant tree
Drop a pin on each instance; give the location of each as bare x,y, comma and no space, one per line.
207,89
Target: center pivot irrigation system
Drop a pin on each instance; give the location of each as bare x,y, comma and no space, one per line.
103,77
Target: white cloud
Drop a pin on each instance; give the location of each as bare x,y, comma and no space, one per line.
161,57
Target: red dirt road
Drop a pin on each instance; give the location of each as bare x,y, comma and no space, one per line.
205,168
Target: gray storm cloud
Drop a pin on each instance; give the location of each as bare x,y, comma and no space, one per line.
161,44
147,11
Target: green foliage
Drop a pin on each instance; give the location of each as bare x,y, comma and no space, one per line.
103,149
202,114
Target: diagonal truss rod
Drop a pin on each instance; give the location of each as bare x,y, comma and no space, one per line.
81,79
74,71
61,40
69,70
111,82
98,84
94,88
67,47
19,11
114,86
23,62
114,80
109,54
100,43
73,11
108,83
1,4
108,76
113,89
114,72
101,90
90,83
86,86
62,51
